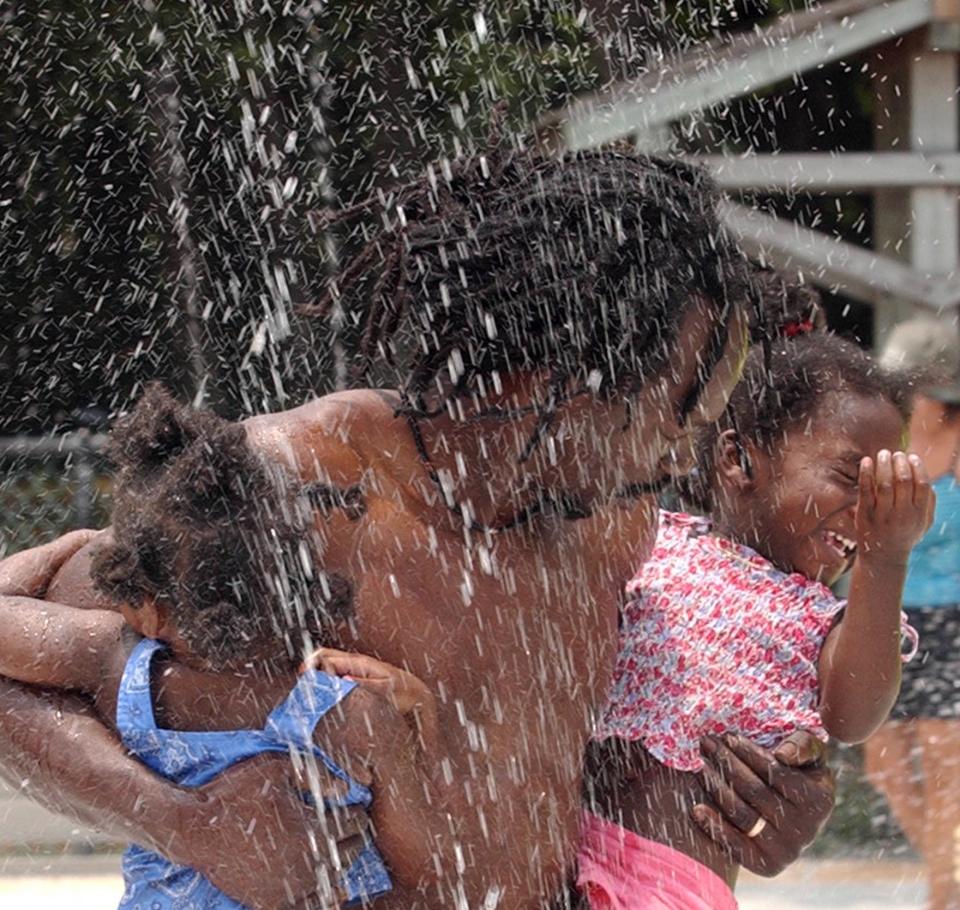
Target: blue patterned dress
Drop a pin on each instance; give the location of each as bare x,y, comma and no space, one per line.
192,759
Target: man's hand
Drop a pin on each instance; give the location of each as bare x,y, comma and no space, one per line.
782,798
250,832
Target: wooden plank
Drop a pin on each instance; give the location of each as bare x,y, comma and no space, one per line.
839,172
915,111
858,272
745,64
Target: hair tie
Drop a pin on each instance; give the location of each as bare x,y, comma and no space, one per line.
798,327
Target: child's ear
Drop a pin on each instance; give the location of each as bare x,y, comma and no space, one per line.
734,465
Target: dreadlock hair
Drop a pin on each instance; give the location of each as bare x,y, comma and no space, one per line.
208,528
769,401
582,265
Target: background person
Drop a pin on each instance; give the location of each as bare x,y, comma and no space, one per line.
914,760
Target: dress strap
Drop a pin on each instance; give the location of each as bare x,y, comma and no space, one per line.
315,694
293,722
909,639
134,699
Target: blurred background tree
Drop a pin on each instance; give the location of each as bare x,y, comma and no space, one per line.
159,163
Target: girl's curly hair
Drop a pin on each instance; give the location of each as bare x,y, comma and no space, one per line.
785,390
209,528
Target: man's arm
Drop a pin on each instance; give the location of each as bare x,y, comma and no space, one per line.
238,830
247,831
57,751
29,572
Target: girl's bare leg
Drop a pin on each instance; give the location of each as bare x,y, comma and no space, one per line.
940,757
892,764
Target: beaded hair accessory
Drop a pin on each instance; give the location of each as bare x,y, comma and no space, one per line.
798,327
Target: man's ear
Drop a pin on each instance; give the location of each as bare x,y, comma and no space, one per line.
734,464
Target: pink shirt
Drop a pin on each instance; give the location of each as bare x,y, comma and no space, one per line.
716,640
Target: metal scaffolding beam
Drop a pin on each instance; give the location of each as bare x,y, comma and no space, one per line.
725,69
836,264
819,171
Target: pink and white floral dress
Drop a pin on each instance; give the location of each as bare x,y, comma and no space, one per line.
715,639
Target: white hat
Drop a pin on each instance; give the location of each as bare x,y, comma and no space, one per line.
925,343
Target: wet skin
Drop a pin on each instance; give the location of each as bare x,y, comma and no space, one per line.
519,657
634,789
790,788
790,509
806,495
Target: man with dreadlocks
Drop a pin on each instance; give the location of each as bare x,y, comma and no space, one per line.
560,327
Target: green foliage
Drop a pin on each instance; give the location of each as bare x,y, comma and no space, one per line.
39,502
156,166
158,162
533,59
395,104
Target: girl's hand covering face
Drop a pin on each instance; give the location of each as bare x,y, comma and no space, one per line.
894,507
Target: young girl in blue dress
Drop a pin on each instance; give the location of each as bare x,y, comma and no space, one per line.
212,562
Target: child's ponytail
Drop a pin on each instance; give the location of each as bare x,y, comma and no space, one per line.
217,533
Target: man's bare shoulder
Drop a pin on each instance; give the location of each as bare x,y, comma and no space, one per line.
334,437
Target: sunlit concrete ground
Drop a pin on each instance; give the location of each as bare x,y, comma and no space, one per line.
93,883
47,878
838,885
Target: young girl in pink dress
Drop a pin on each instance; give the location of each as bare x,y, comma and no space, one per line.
732,629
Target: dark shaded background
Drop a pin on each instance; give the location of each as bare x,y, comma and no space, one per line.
159,164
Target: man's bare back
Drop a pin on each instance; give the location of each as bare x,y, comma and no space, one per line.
515,633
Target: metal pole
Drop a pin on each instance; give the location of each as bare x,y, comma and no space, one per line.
83,495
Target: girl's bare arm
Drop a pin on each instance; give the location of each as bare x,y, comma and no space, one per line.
29,572
58,647
50,644
391,735
860,662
